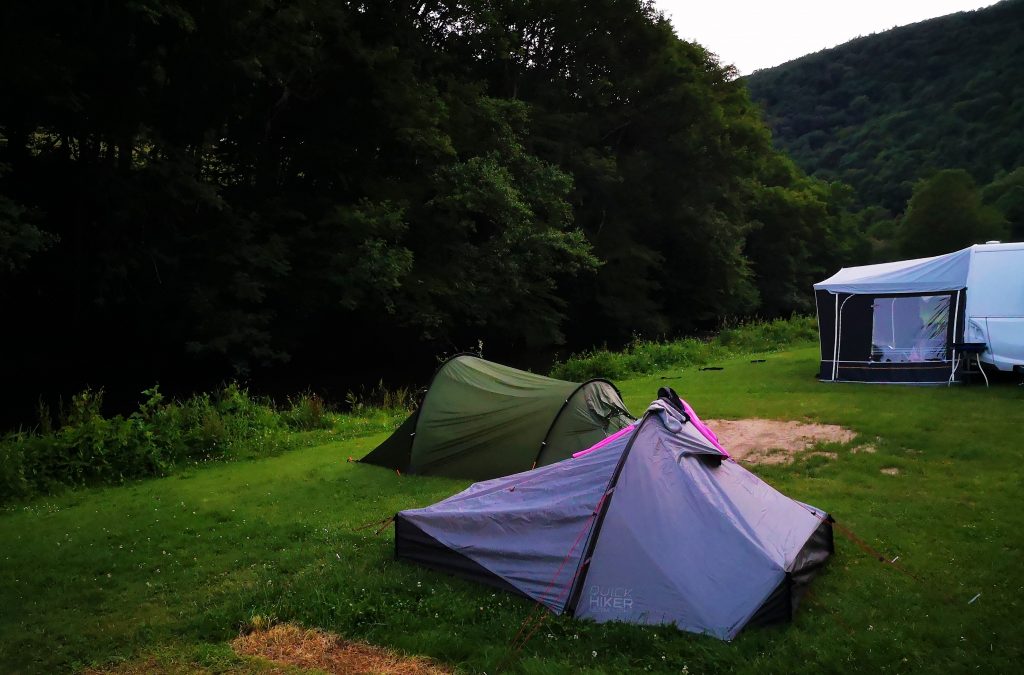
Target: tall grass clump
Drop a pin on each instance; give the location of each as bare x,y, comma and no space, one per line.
642,357
768,336
307,412
85,447
382,398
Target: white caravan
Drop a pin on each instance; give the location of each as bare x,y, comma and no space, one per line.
915,321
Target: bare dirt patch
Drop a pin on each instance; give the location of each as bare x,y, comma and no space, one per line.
290,645
775,442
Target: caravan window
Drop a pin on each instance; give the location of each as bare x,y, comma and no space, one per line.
907,329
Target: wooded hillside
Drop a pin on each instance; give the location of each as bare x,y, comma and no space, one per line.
882,111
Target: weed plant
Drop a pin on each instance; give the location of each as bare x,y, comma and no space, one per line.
381,397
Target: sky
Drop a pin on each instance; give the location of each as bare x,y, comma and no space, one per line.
754,34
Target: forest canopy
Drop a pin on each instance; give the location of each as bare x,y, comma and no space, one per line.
299,192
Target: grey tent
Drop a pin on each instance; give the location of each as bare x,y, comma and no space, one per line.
655,526
480,420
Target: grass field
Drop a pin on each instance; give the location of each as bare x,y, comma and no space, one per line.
171,569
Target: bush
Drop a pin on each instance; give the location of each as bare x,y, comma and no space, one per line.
12,469
87,448
641,357
766,336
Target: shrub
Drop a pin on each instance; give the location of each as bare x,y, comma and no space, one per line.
13,484
641,357
88,448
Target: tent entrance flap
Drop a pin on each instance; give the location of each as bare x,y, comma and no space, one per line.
889,337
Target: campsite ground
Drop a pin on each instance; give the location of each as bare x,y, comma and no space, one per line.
166,572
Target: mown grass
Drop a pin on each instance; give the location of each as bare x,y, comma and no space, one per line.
176,566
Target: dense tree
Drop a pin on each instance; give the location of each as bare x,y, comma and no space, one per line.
20,239
803,232
1006,195
195,189
946,214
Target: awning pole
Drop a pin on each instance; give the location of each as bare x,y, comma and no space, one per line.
956,318
835,343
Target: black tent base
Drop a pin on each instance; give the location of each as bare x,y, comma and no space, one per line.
780,607
937,372
413,544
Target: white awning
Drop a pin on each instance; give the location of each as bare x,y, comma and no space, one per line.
922,275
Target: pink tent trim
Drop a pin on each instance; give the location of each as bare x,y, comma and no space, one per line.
600,444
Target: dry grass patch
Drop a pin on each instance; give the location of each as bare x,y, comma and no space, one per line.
775,442
306,648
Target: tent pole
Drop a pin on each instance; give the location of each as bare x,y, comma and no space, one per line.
817,315
839,341
583,568
565,404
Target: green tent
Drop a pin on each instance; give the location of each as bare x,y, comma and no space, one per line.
482,420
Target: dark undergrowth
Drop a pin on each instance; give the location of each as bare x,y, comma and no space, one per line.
80,446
